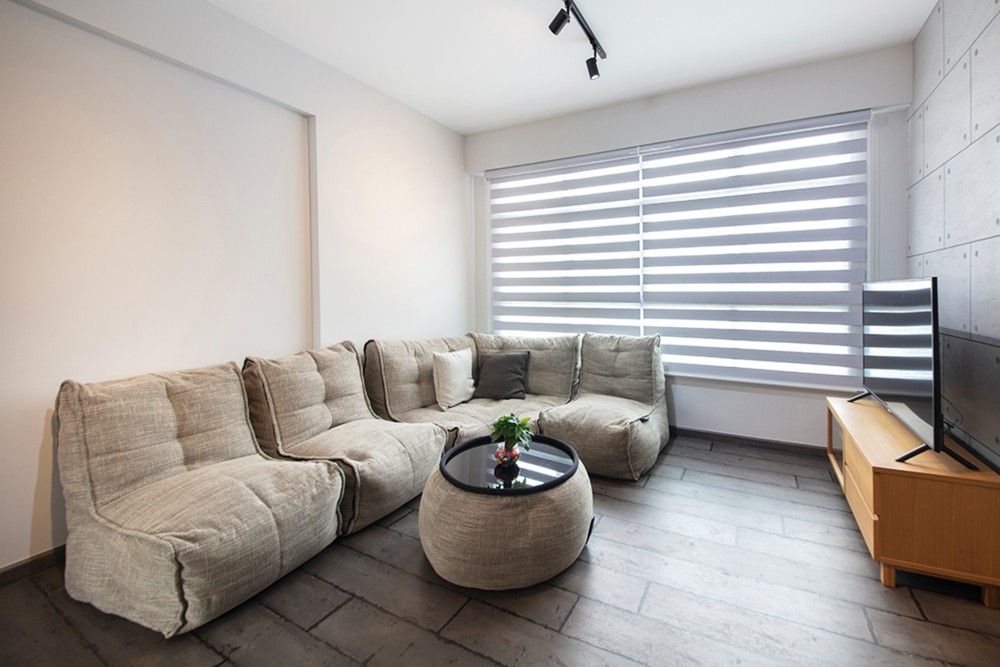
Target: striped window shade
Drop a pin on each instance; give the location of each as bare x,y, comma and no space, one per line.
745,251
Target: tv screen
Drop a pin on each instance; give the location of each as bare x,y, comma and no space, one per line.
901,360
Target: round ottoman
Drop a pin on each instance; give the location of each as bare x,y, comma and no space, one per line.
484,526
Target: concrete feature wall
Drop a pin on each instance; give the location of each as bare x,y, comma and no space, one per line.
179,189
954,204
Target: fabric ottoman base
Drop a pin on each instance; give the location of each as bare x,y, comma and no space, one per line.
502,542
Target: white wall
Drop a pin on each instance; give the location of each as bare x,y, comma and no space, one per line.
155,214
872,80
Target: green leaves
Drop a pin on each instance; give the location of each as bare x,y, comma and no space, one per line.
512,431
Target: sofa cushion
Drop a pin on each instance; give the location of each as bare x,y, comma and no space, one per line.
625,366
473,419
224,533
124,434
385,463
452,373
399,374
614,436
554,359
297,397
502,375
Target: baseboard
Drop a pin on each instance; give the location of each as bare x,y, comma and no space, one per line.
747,441
32,566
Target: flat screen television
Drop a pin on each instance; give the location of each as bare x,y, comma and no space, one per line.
902,358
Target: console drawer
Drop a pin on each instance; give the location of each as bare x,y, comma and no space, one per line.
861,469
862,512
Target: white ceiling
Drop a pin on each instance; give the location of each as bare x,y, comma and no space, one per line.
476,65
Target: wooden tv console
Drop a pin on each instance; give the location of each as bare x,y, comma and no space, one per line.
928,515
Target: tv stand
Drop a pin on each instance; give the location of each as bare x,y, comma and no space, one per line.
924,447
859,396
930,515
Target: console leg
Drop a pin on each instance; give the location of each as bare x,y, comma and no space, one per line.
888,575
991,596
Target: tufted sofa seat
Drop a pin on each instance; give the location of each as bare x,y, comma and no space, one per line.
400,384
174,515
618,420
312,405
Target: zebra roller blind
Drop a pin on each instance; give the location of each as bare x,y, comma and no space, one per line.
745,251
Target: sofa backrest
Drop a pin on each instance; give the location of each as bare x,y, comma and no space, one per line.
625,366
554,363
399,374
297,397
121,435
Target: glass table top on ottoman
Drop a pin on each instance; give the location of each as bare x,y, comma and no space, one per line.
471,466
483,525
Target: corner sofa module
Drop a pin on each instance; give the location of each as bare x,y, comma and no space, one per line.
313,406
618,421
399,377
174,515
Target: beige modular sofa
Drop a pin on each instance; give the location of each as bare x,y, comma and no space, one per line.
603,394
174,514
400,383
313,406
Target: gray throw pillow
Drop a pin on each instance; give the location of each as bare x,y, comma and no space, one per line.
502,375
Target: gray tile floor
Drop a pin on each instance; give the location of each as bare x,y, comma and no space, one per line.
723,554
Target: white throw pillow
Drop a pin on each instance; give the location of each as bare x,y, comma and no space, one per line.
453,383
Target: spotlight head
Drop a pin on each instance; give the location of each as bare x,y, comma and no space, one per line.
592,68
559,22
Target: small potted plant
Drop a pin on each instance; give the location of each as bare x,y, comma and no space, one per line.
512,434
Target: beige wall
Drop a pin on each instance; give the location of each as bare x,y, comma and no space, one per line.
155,190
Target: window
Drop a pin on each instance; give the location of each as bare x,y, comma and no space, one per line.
745,251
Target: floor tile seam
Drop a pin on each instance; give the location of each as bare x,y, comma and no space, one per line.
790,561
581,596
724,458
569,613
68,622
332,647
682,630
989,636
399,570
845,551
473,596
444,585
602,649
769,615
436,582
223,659
694,561
686,513
333,611
754,495
757,495
903,653
699,517
820,460
750,470
447,640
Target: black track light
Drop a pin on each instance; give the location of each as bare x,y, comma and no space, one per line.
559,22
592,67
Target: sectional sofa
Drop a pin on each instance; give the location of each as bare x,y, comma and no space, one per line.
603,394
190,491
